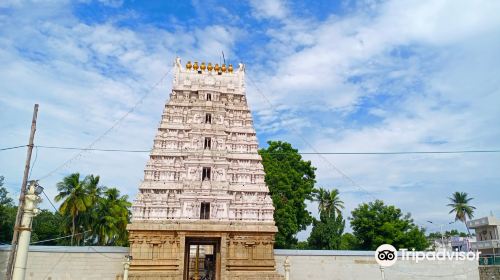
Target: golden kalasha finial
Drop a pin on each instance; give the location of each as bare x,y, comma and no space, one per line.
188,65
210,67
223,68
195,66
216,68
230,68
203,66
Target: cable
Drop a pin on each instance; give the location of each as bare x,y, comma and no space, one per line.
50,201
93,249
57,238
94,149
312,147
34,162
302,153
11,148
57,263
106,132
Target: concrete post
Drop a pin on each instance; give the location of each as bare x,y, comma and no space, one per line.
126,266
31,200
382,272
287,268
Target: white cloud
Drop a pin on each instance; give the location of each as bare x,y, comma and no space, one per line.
269,8
85,77
405,76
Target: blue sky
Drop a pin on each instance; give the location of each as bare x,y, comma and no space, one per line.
333,76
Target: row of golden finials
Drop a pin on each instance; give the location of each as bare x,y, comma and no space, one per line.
209,67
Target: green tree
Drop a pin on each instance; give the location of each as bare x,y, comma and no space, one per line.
75,200
87,219
349,242
291,182
111,218
375,224
461,207
4,194
47,225
7,214
329,201
327,232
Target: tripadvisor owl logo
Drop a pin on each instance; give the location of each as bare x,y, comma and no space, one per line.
386,255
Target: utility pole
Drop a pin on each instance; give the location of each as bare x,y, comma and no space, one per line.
15,236
32,198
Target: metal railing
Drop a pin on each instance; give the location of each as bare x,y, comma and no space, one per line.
489,260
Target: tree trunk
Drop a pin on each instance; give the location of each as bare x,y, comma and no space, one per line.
73,228
468,231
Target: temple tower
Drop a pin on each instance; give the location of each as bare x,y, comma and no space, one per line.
203,210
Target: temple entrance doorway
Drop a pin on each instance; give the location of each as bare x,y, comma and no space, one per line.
202,259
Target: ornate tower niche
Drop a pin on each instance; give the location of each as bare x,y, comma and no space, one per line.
203,210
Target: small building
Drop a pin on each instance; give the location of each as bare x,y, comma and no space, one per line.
487,238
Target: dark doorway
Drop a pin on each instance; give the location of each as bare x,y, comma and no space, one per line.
201,259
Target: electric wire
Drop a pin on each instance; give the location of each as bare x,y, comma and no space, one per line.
93,249
106,132
12,148
34,162
50,201
302,153
343,174
57,238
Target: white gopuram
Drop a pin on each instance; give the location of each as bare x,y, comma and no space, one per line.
204,186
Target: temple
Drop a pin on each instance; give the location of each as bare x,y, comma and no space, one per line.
203,210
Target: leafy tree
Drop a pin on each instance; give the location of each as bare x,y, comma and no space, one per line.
73,193
301,245
327,232
375,224
47,225
4,198
291,182
349,242
447,234
7,214
111,218
329,201
461,207
94,191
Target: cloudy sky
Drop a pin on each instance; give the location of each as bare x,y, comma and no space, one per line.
336,76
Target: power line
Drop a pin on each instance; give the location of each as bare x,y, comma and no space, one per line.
93,149
50,201
57,238
106,132
302,153
34,162
11,148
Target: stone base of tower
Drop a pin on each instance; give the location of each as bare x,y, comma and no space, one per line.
165,250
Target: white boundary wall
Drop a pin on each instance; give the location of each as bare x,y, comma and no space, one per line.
86,263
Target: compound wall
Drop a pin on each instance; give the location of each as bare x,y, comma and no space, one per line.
86,263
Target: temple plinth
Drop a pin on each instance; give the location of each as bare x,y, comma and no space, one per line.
203,210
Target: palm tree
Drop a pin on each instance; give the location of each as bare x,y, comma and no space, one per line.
329,202
94,192
112,216
461,207
76,199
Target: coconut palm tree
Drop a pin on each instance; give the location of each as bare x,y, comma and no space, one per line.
94,192
461,207
111,218
329,202
73,193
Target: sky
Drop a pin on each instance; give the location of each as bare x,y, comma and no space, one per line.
326,76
